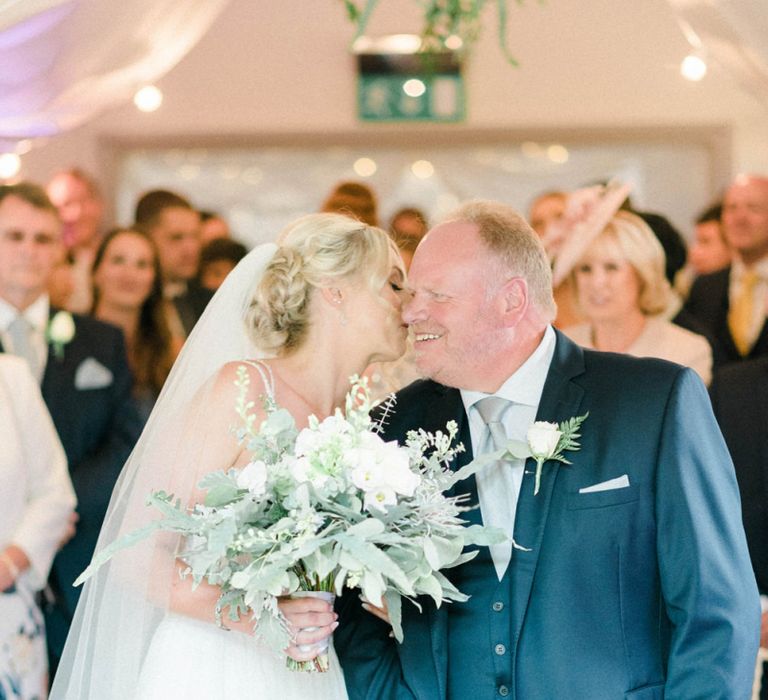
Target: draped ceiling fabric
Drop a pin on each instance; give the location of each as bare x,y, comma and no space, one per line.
62,62
734,34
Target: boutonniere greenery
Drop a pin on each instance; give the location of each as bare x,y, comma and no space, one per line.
60,331
548,441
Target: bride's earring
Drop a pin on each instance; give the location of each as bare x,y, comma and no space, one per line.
337,300
342,315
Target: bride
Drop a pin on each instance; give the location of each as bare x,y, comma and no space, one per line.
302,317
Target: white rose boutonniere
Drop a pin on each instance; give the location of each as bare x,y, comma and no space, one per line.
548,441
60,331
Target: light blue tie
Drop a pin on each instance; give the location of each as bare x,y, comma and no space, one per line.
495,481
20,332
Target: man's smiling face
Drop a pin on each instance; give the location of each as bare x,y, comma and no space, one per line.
451,312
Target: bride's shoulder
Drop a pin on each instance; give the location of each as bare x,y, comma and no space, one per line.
254,376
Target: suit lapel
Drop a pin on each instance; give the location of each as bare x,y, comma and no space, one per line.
53,365
560,400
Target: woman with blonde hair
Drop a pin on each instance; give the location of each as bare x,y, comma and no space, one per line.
300,317
622,291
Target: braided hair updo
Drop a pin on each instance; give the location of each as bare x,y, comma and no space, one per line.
314,251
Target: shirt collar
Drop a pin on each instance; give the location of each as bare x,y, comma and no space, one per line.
760,267
36,313
172,290
526,385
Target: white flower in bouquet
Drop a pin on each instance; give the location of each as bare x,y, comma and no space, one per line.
383,468
253,477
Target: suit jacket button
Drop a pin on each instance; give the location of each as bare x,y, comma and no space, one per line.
500,649
503,691
498,606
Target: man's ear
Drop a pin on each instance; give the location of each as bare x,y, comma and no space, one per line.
513,300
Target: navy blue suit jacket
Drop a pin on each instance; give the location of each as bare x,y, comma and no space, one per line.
644,592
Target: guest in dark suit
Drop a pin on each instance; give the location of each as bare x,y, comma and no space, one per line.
636,581
174,226
733,303
740,400
85,380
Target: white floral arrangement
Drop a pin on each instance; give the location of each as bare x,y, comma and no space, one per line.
321,509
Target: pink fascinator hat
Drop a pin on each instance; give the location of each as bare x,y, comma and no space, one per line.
587,213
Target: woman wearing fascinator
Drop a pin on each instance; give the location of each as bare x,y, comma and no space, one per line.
616,269
578,214
301,317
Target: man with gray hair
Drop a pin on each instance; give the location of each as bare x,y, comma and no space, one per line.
635,580
84,377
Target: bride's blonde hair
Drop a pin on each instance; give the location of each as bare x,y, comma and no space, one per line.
314,251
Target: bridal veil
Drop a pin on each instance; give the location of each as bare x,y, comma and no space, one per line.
124,602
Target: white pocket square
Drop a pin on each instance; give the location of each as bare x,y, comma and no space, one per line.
620,482
91,374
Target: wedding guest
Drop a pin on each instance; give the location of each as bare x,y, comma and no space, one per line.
38,501
545,208
740,400
77,196
633,578
174,225
128,294
212,226
585,212
84,375
708,252
671,240
408,226
353,199
217,259
622,290
733,302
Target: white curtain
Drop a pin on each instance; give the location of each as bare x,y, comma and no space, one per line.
732,33
62,62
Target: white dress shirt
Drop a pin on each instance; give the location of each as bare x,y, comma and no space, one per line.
760,307
36,314
523,389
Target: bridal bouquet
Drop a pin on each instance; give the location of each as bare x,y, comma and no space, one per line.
327,507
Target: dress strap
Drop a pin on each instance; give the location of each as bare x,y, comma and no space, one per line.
266,377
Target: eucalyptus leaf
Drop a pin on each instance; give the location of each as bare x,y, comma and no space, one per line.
394,610
104,555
